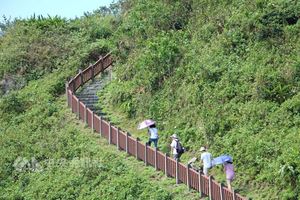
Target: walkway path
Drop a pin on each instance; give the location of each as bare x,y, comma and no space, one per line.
82,98
88,93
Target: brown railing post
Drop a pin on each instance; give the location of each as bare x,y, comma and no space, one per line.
146,149
77,106
221,191
233,195
137,148
92,122
100,126
127,142
200,184
85,114
177,172
155,159
209,187
166,164
109,133
118,143
188,176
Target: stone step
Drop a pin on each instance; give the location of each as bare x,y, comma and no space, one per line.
94,109
96,82
89,102
94,86
99,113
90,90
89,94
87,99
91,105
86,96
95,98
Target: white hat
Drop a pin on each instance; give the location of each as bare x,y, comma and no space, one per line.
202,149
174,136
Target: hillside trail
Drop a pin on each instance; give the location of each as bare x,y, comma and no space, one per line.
88,93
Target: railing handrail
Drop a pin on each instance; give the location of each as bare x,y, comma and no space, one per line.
196,180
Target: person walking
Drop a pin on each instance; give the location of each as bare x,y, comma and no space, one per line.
153,135
229,171
177,148
206,159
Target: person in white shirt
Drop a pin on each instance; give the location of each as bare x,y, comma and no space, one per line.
153,135
173,145
206,159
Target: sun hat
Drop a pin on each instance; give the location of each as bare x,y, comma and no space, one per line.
202,149
174,136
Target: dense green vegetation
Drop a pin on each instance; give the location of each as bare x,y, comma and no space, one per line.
66,161
45,152
223,74
218,73
33,47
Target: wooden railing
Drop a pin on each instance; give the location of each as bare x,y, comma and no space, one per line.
205,185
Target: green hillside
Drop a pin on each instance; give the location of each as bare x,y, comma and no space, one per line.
46,153
219,73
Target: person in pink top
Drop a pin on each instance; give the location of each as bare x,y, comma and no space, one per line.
229,171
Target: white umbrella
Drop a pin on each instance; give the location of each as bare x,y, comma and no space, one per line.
146,123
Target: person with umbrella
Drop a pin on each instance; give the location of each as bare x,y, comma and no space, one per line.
153,135
227,162
229,171
152,131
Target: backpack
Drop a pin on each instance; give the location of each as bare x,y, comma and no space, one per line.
179,148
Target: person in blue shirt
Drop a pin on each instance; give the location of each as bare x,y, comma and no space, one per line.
206,159
153,135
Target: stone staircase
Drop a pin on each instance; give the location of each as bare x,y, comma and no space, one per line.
88,93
